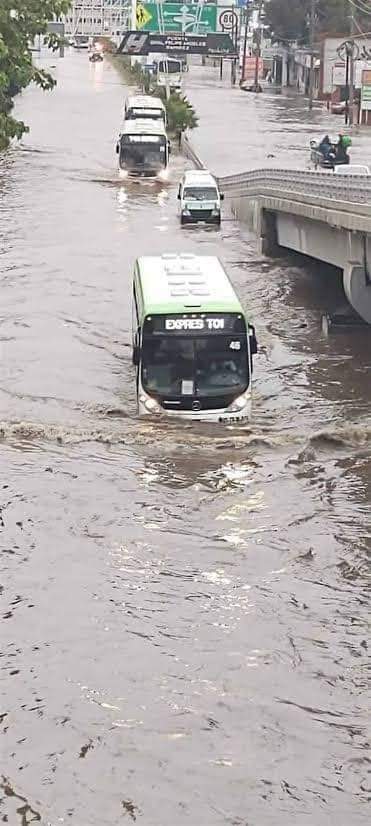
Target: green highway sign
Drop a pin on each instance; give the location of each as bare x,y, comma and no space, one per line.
176,17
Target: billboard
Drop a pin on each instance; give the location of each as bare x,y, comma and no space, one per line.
250,69
339,73
366,90
144,43
190,18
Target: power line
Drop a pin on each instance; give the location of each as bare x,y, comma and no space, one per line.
359,8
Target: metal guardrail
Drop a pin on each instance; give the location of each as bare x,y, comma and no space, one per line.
350,189
326,189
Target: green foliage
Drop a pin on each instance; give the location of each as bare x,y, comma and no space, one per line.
20,22
180,112
288,19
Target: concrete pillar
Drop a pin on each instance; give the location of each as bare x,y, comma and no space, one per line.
267,233
357,287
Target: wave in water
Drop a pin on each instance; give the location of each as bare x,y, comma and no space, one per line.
212,435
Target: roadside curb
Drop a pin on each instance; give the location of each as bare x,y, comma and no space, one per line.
190,152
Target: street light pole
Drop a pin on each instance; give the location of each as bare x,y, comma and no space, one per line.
257,87
311,44
351,65
245,45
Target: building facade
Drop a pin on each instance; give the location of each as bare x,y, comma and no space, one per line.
94,18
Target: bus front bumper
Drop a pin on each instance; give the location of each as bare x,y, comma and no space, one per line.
231,414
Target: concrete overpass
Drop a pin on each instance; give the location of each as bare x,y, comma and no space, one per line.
320,214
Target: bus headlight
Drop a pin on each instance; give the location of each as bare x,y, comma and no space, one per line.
150,404
238,403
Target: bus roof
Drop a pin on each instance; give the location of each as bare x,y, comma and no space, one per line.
143,126
182,283
144,102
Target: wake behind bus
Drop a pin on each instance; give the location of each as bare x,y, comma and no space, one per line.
193,345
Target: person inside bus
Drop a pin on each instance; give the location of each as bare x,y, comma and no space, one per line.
183,367
223,373
157,369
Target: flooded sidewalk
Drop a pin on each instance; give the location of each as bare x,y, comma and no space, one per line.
241,130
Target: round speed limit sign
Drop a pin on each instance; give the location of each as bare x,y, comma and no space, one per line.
228,19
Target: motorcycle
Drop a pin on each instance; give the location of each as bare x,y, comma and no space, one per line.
328,160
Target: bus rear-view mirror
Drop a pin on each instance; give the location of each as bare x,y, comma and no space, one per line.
222,196
253,341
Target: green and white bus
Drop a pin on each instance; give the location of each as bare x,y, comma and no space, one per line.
193,346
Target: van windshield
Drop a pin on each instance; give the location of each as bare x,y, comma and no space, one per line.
171,67
202,193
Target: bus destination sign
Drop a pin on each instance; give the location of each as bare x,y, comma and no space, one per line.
197,325
181,325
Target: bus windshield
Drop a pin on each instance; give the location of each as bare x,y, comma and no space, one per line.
143,150
205,193
211,365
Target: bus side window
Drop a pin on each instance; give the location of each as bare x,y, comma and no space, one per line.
136,329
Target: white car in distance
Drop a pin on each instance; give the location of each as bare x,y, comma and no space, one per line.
351,169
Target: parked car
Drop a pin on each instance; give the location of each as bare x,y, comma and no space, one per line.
351,169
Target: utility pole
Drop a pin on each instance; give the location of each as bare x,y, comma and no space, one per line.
245,45
312,22
235,43
351,65
257,87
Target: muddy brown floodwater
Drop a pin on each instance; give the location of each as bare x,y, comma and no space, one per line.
184,608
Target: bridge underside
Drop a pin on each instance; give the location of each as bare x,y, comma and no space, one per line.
327,235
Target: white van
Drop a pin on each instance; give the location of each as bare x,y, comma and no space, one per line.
168,72
199,197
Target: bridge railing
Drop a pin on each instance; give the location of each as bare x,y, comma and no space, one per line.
353,189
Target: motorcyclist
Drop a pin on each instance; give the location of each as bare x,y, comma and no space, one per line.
341,154
325,146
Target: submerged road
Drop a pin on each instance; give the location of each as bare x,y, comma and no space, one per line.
238,130
184,609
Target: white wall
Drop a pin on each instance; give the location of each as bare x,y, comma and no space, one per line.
330,57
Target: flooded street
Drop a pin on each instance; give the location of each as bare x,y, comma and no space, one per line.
272,129
185,608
